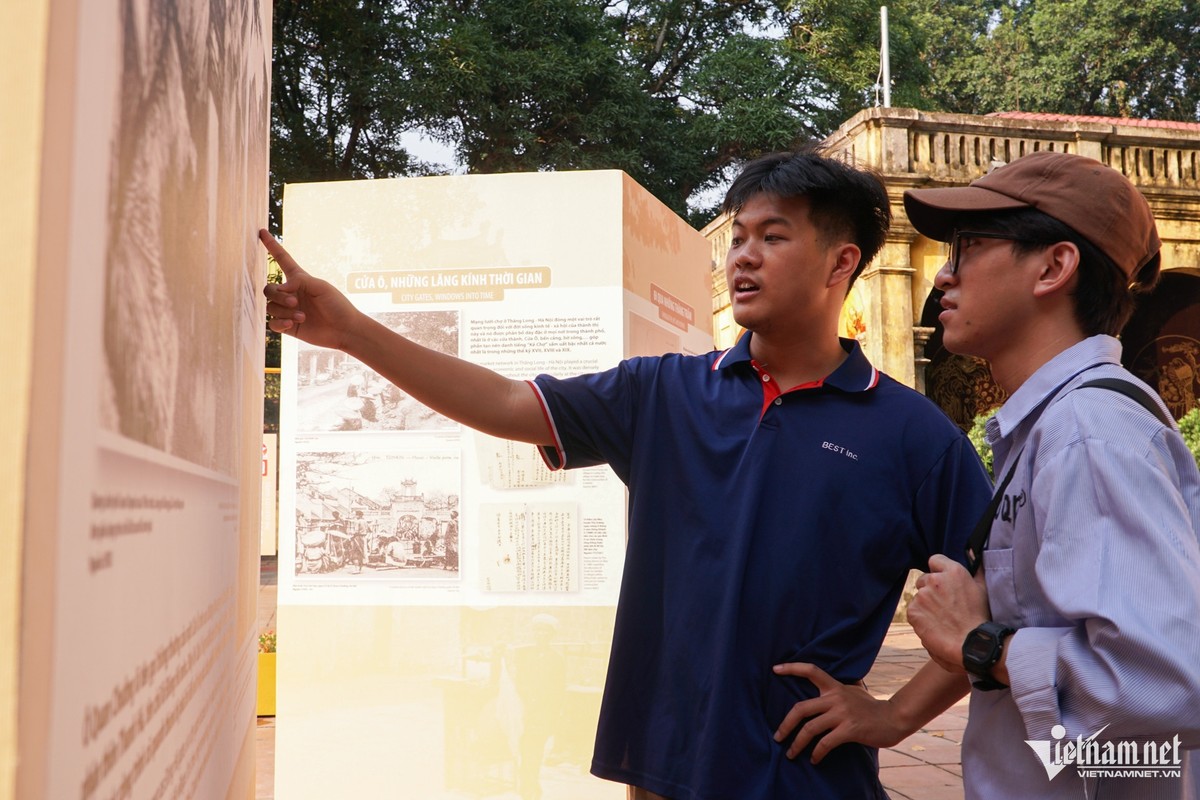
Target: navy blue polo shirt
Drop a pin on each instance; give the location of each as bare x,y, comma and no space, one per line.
763,528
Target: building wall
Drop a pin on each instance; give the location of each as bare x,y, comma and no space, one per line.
914,149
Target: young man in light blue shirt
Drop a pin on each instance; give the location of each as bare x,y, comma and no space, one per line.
1081,631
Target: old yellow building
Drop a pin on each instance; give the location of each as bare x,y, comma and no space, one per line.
890,310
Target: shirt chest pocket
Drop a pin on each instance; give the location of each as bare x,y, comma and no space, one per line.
1002,587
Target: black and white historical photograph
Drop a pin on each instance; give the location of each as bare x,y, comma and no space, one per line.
335,392
188,176
377,516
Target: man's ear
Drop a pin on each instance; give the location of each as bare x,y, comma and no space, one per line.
846,261
1057,269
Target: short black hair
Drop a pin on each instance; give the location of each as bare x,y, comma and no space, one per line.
843,200
1105,296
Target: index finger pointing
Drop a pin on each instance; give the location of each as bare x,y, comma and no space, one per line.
282,257
819,677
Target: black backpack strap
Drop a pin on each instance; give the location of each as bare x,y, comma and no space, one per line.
983,529
1133,392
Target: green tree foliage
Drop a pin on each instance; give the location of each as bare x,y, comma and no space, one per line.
527,86
340,92
1088,57
678,93
1189,426
672,92
724,85
675,93
1104,57
945,55
979,440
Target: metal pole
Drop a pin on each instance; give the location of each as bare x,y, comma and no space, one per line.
885,58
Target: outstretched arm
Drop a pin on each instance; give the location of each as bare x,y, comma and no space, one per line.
848,713
314,311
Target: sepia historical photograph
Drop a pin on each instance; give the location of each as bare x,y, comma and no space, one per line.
373,516
188,170
335,392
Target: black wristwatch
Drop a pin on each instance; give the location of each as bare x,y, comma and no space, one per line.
981,651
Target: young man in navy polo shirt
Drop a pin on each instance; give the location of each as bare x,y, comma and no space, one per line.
779,492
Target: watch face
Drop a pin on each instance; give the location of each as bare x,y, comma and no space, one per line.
979,647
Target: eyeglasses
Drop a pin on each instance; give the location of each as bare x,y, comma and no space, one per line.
956,247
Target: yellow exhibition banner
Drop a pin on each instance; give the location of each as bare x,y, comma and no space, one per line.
446,603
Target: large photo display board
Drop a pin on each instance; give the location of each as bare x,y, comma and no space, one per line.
446,601
142,542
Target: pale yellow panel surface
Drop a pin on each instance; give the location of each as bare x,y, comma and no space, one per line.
97,611
22,58
267,544
439,703
461,222
427,681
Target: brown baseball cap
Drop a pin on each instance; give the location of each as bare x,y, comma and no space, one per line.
1096,201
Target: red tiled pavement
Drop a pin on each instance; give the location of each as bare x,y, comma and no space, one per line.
926,765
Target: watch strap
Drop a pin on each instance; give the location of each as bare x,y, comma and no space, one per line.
988,684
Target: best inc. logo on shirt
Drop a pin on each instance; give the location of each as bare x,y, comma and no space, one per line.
1107,759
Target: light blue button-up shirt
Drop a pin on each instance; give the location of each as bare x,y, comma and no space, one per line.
1093,557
